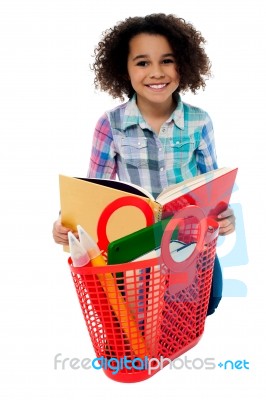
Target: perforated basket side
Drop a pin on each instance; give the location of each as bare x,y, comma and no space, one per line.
161,323
185,312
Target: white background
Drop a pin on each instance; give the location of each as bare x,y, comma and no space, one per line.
48,110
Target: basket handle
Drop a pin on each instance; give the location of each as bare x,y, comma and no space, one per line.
137,202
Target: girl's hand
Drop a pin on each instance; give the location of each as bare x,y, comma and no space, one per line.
226,221
60,232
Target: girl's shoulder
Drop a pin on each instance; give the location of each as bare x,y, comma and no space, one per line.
116,115
194,113
118,109
192,109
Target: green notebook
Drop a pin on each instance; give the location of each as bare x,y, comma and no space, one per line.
134,245
138,243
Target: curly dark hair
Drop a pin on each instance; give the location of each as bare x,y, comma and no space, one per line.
111,53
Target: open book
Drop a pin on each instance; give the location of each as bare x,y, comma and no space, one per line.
129,207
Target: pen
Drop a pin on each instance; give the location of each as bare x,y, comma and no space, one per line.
114,296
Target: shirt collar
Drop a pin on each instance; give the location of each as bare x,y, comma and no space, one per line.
178,114
133,116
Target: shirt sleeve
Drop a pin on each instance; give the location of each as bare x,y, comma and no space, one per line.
206,152
102,161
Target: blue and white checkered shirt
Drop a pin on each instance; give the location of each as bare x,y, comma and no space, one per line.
126,146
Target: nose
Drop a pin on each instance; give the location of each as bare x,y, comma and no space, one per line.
156,72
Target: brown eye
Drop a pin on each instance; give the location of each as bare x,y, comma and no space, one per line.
168,61
142,63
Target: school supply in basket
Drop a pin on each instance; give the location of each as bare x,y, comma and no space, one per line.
134,245
79,255
103,313
116,300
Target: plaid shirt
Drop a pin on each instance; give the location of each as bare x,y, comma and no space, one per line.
125,145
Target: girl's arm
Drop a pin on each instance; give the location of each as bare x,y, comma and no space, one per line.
206,153
102,161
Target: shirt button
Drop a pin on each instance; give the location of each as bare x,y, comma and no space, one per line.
161,169
160,149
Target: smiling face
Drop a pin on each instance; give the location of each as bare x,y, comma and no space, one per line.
152,69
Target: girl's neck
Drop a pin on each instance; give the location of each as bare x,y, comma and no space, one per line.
156,114
156,109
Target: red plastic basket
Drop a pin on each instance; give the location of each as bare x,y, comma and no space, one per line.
157,311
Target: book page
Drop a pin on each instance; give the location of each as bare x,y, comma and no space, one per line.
128,187
180,251
173,191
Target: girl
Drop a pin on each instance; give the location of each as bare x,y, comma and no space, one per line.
154,139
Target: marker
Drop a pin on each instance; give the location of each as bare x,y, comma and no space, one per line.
79,255
91,247
114,334
114,296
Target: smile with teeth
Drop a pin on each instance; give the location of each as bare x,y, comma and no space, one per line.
158,86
